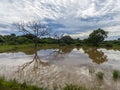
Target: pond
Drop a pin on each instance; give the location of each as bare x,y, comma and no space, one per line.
56,67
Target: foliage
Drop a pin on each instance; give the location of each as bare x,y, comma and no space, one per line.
29,36
66,40
14,85
14,40
77,87
108,45
97,36
111,44
21,40
95,55
48,40
116,74
100,75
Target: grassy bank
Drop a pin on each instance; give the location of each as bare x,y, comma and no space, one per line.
14,85
29,48
25,47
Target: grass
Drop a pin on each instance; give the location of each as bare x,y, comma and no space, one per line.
100,75
116,74
14,85
74,87
27,48
10,48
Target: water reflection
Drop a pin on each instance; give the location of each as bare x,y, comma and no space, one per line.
35,62
59,54
73,66
66,49
97,56
38,62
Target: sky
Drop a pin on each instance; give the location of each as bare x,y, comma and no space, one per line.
77,18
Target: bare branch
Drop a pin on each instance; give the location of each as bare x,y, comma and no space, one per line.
21,28
58,35
35,28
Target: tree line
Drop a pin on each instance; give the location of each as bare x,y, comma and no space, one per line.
13,39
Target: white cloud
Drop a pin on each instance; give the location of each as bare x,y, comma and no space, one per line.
77,16
113,31
81,35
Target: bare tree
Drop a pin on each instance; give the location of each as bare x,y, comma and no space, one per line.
35,28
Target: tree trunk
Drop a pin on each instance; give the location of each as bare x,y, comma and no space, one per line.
35,43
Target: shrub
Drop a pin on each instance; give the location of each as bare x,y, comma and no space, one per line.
116,74
100,75
78,44
108,45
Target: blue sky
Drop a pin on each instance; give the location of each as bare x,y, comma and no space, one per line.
78,18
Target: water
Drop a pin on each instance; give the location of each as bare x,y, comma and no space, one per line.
54,67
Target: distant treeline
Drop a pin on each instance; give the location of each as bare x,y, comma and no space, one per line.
28,38
96,38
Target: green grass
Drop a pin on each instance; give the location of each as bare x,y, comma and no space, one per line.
116,74
27,48
74,87
100,75
10,48
14,85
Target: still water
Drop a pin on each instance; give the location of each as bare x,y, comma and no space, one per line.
55,67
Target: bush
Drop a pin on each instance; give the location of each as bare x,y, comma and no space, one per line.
100,75
116,74
108,45
78,44
14,85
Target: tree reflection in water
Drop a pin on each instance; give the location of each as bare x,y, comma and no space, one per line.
59,53
35,62
39,72
97,56
31,70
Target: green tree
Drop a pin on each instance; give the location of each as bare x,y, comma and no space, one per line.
23,40
97,36
66,40
29,36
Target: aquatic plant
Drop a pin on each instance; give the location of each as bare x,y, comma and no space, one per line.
116,74
100,75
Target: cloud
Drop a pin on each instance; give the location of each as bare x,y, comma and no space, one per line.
75,17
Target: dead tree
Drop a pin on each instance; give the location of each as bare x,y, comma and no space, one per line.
34,28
